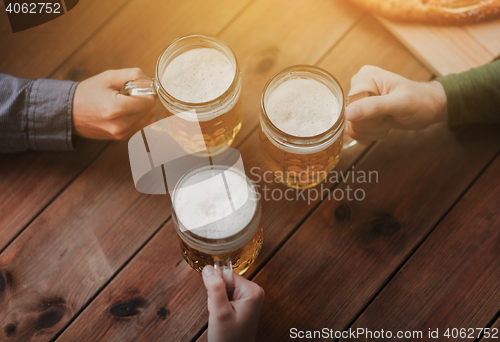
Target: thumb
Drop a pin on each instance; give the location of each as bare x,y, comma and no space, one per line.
373,107
218,303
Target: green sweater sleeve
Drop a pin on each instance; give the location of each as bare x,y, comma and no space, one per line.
473,96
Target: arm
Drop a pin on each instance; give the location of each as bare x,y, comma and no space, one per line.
473,96
45,114
466,98
35,114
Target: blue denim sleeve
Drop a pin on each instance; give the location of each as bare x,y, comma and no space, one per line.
35,115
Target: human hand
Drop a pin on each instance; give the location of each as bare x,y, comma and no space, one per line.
402,104
234,320
101,112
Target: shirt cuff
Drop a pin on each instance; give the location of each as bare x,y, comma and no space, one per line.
452,88
50,112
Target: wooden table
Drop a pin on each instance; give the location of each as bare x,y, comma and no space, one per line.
85,257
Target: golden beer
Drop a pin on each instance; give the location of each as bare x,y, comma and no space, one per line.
200,82
302,123
205,237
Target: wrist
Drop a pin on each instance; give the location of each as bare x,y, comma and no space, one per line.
439,103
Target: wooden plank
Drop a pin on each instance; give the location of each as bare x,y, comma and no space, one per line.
447,49
160,277
346,251
79,242
31,180
74,247
37,52
487,34
452,280
155,25
494,328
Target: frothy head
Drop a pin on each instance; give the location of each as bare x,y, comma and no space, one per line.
215,204
198,75
303,107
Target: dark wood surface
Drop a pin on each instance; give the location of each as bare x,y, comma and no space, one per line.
78,243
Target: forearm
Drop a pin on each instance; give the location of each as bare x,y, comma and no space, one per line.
35,115
473,96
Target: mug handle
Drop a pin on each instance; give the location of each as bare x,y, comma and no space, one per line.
348,141
225,269
142,86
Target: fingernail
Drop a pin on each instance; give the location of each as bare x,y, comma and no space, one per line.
353,113
208,271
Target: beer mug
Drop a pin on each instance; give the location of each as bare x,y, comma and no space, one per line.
216,213
303,161
220,116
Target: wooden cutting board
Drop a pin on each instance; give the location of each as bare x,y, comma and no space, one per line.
449,49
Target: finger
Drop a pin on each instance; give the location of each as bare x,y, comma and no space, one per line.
121,127
375,107
129,105
365,80
364,135
246,289
145,121
218,303
116,78
375,132
375,125
248,299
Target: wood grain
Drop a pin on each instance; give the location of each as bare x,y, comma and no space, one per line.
496,325
141,31
75,246
454,274
487,34
450,49
31,180
88,232
347,250
38,51
178,289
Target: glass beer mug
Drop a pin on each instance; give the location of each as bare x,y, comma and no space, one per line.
303,161
216,213
219,116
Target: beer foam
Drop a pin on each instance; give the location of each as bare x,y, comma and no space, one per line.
303,107
204,205
198,75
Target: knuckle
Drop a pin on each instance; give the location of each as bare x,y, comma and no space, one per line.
108,75
113,111
258,293
353,79
368,70
122,136
217,284
116,131
224,316
137,73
